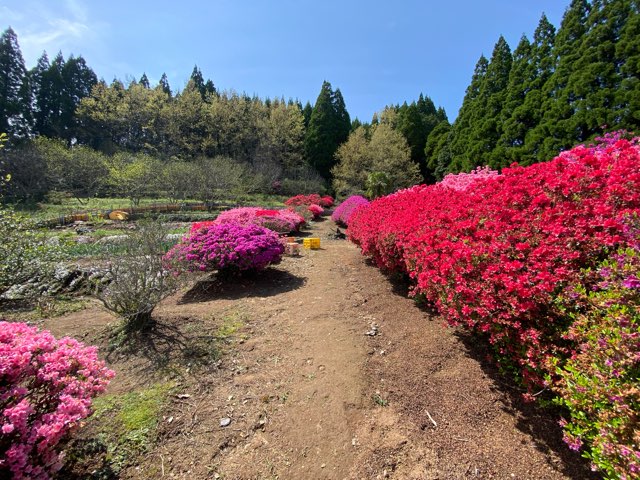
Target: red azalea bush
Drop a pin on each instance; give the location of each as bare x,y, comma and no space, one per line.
343,212
281,221
300,200
316,211
326,201
46,387
495,256
598,385
227,248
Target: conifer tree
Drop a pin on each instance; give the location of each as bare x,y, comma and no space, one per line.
437,142
462,127
41,94
329,126
553,133
164,85
15,102
627,97
144,80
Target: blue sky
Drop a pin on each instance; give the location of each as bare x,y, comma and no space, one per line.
376,52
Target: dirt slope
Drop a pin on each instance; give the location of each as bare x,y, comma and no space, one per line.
311,396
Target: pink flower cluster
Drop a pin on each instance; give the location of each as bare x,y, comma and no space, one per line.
281,221
463,181
46,387
226,247
494,257
343,212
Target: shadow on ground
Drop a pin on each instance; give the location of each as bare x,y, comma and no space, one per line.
175,342
266,283
540,423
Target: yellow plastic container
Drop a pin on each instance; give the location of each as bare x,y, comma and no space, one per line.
312,243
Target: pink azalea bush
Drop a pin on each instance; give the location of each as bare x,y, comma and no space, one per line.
281,221
463,181
227,248
326,201
343,212
46,387
498,259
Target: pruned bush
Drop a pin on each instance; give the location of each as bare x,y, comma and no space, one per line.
598,385
301,200
281,221
228,248
326,201
139,280
46,387
343,212
315,210
499,254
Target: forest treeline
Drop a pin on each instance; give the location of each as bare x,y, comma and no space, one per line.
559,88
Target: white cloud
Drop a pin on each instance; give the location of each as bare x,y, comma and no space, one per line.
69,28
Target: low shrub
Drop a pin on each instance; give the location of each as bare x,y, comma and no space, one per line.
598,385
281,221
46,387
316,211
300,200
227,248
343,212
326,201
138,278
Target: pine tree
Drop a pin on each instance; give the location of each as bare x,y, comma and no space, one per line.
144,80
164,85
461,128
78,81
40,93
596,79
515,119
553,133
485,118
436,142
627,97
15,102
329,126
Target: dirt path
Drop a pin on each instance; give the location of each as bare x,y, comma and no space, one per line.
311,396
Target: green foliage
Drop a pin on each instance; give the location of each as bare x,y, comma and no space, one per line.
15,98
386,155
24,253
329,126
599,385
126,426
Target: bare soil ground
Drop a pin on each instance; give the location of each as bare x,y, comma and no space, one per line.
310,395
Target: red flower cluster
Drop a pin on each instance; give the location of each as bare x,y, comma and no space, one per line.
300,200
494,257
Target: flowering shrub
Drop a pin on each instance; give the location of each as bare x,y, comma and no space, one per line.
599,384
462,181
316,210
46,386
495,258
343,212
228,248
326,201
281,221
299,200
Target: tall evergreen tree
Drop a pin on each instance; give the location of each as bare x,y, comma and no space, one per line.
306,113
40,93
78,81
553,132
206,89
485,118
329,126
437,142
15,102
514,118
164,85
144,80
462,127
627,97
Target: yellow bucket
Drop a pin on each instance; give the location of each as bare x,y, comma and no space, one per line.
312,243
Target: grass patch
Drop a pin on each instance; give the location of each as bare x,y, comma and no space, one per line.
123,427
231,324
46,307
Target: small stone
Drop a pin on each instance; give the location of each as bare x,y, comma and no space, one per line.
323,465
225,422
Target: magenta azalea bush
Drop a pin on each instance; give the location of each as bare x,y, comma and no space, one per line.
46,387
227,248
343,212
281,221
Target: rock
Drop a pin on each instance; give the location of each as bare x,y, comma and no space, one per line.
225,422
